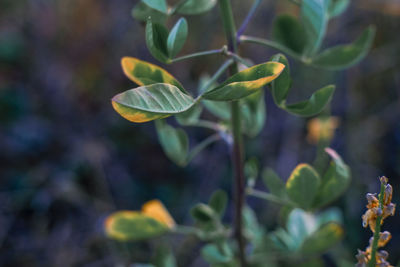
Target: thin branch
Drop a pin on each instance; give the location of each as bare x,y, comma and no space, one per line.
269,197
249,16
199,54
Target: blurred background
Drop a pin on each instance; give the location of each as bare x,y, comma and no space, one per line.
67,160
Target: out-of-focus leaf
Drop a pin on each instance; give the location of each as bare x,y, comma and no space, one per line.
334,182
133,226
312,263
245,82
323,239
203,213
337,7
156,40
252,229
193,7
288,31
156,210
314,16
314,105
254,113
142,12
281,85
164,257
273,182
174,142
343,56
151,102
212,254
159,5
302,185
145,73
177,37
330,215
218,202
300,225
191,116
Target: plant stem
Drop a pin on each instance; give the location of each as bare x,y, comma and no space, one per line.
198,54
203,144
269,43
237,153
374,248
268,197
246,21
216,75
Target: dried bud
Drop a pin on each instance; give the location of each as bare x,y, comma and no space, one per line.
382,255
387,197
383,180
372,201
384,239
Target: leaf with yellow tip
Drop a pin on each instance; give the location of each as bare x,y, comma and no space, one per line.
151,102
302,185
145,73
323,239
156,210
245,82
133,226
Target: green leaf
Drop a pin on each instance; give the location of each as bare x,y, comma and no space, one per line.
145,73
156,41
177,37
151,102
142,12
189,117
314,16
219,109
194,7
337,7
212,254
252,229
314,105
330,215
288,31
254,113
280,86
203,213
174,142
302,185
218,202
323,239
334,182
300,225
245,82
273,182
164,257
159,5
344,56
133,226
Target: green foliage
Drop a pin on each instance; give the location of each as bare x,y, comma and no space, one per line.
302,185
194,7
156,40
133,226
174,142
245,82
288,31
151,102
177,37
314,16
159,5
142,12
280,89
272,181
334,182
343,56
159,95
218,202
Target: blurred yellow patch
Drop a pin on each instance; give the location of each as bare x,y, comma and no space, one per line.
156,210
321,129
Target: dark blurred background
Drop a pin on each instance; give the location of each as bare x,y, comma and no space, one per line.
67,159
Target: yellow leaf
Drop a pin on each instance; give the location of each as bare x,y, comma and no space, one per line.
156,210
